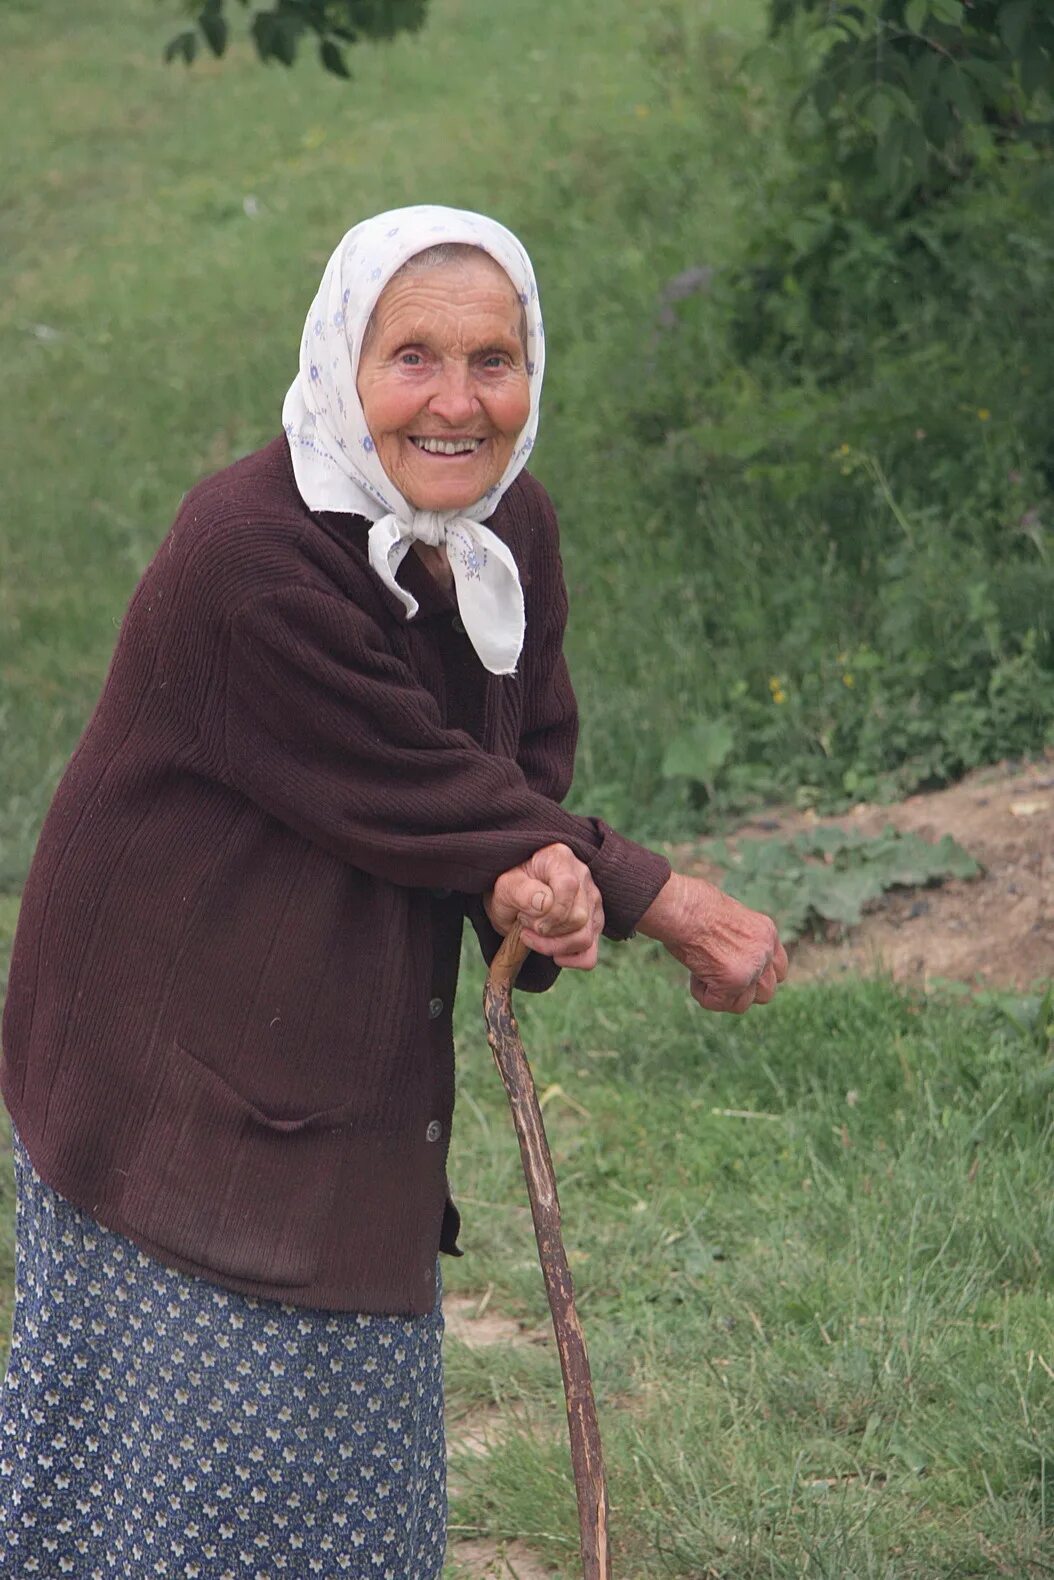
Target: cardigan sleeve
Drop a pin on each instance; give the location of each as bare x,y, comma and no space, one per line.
329,731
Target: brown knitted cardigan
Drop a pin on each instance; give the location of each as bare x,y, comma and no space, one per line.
228,1026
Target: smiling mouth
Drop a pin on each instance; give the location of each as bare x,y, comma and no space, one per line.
445,447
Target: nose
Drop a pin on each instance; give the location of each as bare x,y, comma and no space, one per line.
453,400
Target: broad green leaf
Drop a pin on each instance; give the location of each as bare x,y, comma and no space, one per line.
957,862
771,876
827,841
924,72
183,47
769,856
1013,23
263,32
214,26
881,108
915,164
915,14
1037,72
286,34
855,23
718,851
939,124
825,93
948,11
990,78
789,908
699,751
889,155
964,95
332,58
842,897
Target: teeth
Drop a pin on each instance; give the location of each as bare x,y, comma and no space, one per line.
448,446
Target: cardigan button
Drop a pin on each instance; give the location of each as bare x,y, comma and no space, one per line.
458,625
435,1008
434,1131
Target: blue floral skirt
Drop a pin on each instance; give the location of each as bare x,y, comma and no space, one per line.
153,1424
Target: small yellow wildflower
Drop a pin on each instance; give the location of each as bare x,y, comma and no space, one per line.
983,413
776,688
847,680
642,111
843,658
843,449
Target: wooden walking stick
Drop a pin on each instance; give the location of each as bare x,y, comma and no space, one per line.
587,1461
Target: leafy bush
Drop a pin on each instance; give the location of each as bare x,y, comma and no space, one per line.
913,93
854,419
278,30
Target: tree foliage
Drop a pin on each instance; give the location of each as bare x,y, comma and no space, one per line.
277,30
918,90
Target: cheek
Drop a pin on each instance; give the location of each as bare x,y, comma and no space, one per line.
512,408
387,404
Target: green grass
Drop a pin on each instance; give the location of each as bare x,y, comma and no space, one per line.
822,1336
819,1338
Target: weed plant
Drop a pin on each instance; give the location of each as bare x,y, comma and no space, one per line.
858,418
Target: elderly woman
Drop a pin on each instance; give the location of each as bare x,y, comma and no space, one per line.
338,721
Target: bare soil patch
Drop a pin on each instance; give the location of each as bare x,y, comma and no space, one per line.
471,1321
472,1435
993,931
491,1561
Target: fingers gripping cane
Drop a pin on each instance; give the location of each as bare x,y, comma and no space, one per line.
586,1458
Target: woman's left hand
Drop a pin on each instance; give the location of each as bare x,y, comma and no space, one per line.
557,904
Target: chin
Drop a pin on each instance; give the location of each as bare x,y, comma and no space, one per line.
444,502
452,495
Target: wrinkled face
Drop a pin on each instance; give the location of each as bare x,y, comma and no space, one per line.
443,381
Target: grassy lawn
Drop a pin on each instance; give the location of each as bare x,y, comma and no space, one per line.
822,1336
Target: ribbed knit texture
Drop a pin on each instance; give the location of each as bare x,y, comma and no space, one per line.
228,1026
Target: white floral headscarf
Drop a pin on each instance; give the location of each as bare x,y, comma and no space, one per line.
334,460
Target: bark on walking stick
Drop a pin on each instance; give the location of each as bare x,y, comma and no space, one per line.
586,1458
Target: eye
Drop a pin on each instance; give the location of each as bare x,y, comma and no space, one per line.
496,359
411,359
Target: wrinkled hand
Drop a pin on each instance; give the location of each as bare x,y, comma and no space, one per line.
557,904
734,954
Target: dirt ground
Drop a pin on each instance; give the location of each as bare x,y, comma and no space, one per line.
474,1432
993,931
488,1561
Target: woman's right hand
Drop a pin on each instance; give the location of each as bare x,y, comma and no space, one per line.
553,897
734,954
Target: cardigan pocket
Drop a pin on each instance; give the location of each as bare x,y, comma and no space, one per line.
224,1186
